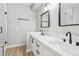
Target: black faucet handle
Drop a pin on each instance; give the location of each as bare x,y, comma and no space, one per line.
64,40
77,43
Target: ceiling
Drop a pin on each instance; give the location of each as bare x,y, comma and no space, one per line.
28,4
34,6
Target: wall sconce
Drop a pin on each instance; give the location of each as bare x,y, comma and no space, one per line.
48,6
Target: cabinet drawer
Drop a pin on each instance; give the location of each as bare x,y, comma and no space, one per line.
34,49
39,48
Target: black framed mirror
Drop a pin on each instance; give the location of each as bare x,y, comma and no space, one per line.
45,19
68,14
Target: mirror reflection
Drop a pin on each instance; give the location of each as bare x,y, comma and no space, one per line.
68,14
45,20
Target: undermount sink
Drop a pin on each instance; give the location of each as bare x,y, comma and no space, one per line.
46,38
69,48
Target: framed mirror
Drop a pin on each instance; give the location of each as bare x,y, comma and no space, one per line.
45,20
68,14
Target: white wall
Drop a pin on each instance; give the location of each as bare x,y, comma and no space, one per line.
54,27
17,29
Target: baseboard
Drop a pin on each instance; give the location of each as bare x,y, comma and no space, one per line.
12,46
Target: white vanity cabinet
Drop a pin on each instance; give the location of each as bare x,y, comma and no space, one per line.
39,49
33,46
36,47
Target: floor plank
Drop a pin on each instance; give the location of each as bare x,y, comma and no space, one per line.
18,51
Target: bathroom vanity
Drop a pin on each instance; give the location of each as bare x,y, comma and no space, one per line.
51,46
39,49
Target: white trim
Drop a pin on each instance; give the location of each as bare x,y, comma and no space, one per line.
28,50
11,46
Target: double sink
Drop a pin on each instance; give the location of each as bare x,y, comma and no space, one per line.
58,45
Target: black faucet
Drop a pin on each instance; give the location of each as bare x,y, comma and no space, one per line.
42,32
70,37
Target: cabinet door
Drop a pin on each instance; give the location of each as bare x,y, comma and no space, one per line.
34,49
33,46
39,49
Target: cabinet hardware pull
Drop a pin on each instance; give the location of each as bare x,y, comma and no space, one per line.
37,52
37,45
5,13
1,29
5,42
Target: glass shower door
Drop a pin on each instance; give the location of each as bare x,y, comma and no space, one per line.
3,27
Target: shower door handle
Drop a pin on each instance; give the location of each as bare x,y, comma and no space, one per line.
5,42
0,29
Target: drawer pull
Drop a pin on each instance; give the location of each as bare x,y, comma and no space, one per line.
37,45
37,52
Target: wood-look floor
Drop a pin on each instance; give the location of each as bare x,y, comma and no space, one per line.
18,51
